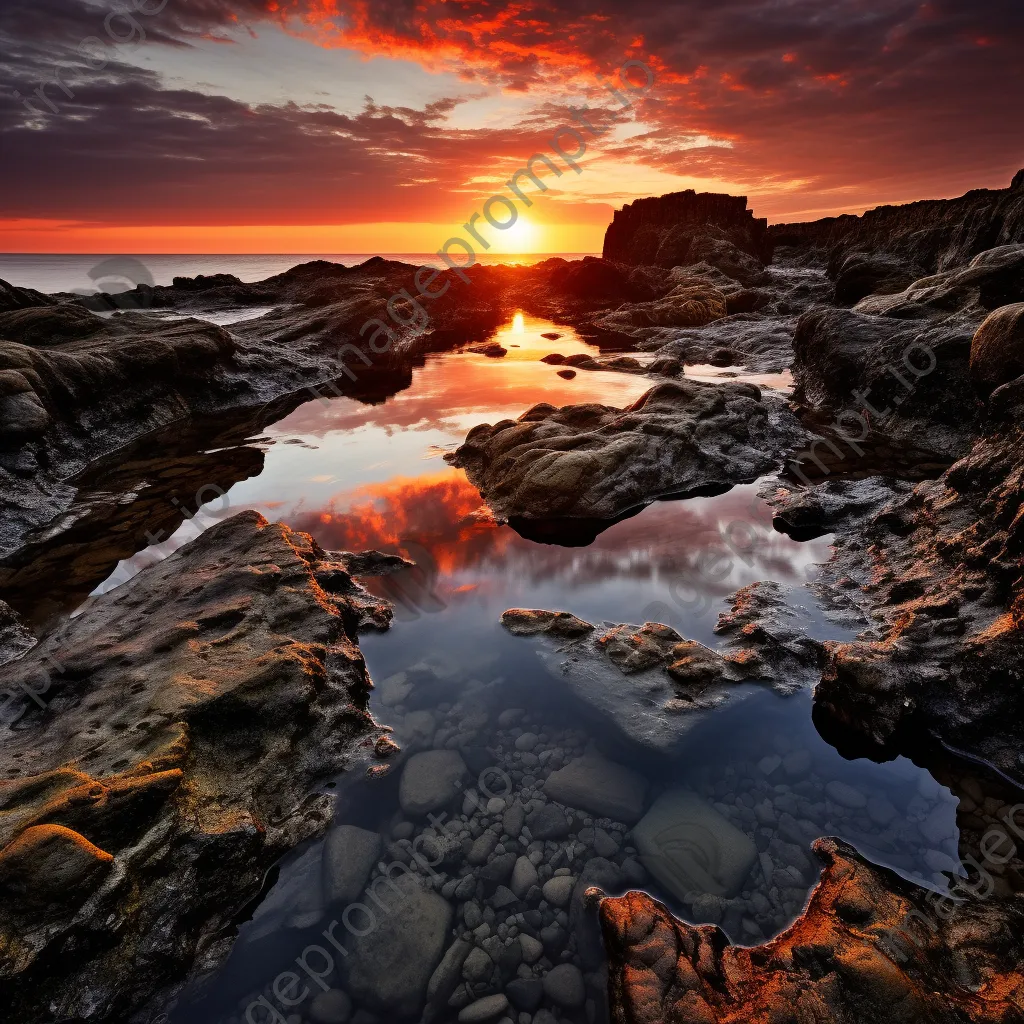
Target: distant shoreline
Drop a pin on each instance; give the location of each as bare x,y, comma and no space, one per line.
64,272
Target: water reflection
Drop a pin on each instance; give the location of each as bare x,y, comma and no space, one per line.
719,827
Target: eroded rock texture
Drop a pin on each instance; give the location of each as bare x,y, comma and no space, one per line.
596,462
166,750
869,947
653,682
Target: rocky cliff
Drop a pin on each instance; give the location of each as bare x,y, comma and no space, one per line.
685,227
891,246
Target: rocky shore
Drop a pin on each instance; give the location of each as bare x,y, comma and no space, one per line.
161,751
169,744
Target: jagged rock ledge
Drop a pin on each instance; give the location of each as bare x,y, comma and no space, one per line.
173,750
868,947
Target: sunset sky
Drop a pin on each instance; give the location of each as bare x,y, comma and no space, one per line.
381,125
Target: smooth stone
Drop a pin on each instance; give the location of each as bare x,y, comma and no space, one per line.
689,847
533,949
477,966
524,876
846,796
482,848
394,689
472,915
525,994
604,844
768,764
527,741
548,822
484,1009
503,897
509,717
499,869
559,890
418,728
448,974
880,811
797,764
593,783
349,856
429,780
513,819
331,1007
564,985
388,968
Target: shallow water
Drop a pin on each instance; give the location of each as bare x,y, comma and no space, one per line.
730,811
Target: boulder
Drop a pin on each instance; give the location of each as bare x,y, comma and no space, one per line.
431,780
388,969
690,848
596,462
593,783
997,351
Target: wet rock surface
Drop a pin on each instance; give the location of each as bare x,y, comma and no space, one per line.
869,946
596,462
653,682
183,722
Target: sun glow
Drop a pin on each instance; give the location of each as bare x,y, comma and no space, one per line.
520,237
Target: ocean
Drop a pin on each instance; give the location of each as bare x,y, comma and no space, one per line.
68,272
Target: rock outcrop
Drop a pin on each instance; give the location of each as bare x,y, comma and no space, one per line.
653,683
868,947
166,749
682,228
867,253
596,462
997,350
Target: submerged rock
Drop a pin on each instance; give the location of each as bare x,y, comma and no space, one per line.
600,786
691,849
388,969
431,780
647,678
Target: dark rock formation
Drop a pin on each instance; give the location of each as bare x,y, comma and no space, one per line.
869,947
931,235
597,462
876,372
182,725
687,227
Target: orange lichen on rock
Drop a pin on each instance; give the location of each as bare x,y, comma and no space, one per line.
869,946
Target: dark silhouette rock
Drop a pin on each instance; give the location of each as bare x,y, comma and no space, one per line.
686,227
935,234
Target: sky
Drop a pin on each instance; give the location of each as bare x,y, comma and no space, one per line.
361,126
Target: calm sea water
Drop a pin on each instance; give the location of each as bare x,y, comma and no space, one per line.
65,272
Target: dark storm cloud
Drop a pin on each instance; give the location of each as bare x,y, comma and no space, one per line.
843,102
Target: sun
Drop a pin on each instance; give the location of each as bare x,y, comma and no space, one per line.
520,237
